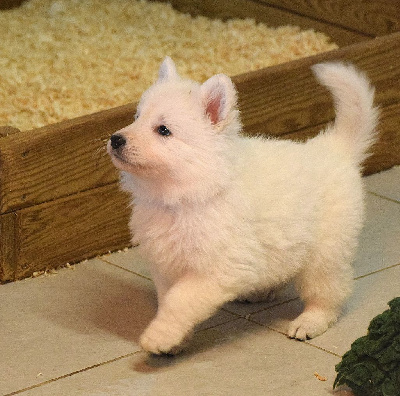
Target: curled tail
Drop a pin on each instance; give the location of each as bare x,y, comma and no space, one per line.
356,116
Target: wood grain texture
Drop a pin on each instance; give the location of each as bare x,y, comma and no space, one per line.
7,130
263,12
72,229
372,17
8,246
8,4
386,153
58,160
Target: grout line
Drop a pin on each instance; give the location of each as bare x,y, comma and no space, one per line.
219,324
72,373
375,272
238,316
261,309
383,197
249,319
123,268
283,333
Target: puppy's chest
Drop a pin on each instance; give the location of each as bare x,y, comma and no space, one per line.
183,229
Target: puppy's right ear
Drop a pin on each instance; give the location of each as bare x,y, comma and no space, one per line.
219,98
167,70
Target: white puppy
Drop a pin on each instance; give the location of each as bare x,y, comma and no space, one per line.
220,216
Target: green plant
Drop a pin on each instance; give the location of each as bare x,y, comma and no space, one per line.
372,366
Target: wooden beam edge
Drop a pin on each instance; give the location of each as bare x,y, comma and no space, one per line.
9,246
72,229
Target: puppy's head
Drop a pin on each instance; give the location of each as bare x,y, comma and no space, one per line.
181,131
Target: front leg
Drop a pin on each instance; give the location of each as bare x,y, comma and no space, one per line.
188,302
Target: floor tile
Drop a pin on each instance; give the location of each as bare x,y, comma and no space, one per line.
370,297
386,183
65,322
130,260
379,243
77,318
238,358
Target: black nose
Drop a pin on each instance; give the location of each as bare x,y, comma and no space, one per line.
117,141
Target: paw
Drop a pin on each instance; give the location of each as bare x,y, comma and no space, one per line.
310,324
161,339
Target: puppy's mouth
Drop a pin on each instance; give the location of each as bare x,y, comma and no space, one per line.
116,155
121,162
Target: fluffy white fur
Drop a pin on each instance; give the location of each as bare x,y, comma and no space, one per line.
219,216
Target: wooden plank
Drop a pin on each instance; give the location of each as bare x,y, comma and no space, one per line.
8,4
263,12
286,98
7,130
72,229
58,160
375,18
8,246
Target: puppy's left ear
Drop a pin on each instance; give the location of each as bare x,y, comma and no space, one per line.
219,98
167,70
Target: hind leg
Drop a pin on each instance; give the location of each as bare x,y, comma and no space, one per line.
325,281
323,284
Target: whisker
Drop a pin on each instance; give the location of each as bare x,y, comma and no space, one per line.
100,151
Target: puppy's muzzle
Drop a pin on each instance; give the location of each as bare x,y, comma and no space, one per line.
117,141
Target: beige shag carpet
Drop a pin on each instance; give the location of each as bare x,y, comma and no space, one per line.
60,59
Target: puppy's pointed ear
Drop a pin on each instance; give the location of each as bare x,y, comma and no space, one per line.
167,70
219,98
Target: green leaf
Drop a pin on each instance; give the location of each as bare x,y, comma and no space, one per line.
372,366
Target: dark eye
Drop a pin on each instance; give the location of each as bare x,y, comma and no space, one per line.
163,130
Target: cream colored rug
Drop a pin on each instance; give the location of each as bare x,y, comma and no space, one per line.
60,59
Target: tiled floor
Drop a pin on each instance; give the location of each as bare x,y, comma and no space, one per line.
76,332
